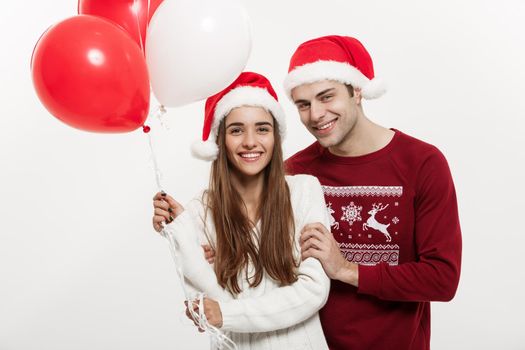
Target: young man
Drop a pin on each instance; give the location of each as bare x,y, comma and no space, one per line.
395,240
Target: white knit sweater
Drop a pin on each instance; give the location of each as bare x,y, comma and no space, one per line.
266,316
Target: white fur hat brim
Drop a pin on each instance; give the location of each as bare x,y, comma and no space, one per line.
337,71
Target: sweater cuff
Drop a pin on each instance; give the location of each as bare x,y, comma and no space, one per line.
181,221
231,312
369,279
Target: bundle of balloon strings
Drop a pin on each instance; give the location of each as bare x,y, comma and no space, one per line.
218,339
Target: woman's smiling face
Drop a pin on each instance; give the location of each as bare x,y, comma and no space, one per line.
249,140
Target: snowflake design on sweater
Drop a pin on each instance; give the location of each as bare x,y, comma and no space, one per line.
351,213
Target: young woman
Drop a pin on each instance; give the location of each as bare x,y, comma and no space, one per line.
258,290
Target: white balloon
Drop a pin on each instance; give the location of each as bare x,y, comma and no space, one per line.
195,48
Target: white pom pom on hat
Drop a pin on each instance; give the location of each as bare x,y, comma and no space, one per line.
205,150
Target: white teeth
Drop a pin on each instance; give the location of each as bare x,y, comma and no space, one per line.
326,126
250,155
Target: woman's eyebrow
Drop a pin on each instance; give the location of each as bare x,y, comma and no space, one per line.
235,124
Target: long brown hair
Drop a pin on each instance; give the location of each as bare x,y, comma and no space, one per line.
236,243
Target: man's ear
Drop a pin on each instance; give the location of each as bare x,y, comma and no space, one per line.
357,95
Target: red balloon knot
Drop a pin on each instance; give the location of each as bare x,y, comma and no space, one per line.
146,129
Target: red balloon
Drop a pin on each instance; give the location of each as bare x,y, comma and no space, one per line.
91,75
132,15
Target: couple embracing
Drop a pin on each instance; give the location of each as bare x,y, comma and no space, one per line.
342,246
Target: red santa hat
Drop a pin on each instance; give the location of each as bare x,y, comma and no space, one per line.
340,58
249,89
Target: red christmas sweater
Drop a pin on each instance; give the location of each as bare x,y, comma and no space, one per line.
393,212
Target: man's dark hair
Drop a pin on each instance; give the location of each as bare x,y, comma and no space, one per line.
350,89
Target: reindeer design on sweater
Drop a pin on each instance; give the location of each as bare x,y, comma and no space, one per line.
373,223
332,219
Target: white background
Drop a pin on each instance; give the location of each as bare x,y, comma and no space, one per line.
80,266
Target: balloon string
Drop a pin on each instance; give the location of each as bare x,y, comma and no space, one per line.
160,113
158,175
218,339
